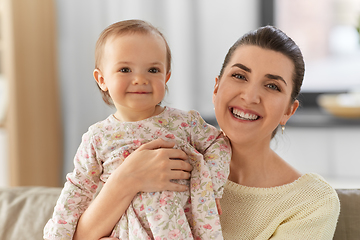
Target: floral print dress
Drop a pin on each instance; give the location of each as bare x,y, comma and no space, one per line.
156,215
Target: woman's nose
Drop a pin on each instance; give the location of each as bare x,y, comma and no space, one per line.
251,94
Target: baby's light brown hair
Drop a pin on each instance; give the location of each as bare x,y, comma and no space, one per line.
123,28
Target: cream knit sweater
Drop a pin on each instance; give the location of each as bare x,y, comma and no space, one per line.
305,209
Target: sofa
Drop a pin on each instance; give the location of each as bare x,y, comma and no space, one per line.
25,210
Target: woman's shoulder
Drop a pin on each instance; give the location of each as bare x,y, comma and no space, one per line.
309,203
308,186
315,185
315,189
310,192
315,182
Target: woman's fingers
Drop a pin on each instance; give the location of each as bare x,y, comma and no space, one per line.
171,170
170,153
156,144
176,164
165,182
218,205
152,167
164,150
179,174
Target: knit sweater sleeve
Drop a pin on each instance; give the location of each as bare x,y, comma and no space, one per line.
316,221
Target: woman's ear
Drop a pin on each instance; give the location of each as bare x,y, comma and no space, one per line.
99,78
216,87
291,110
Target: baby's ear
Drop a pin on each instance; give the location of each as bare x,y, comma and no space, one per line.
99,78
216,87
167,77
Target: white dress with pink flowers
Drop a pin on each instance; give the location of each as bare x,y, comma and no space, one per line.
156,215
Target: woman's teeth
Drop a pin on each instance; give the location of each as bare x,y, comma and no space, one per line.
244,116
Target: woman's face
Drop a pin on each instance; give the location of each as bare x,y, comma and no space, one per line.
254,94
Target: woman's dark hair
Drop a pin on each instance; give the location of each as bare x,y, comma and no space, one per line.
272,38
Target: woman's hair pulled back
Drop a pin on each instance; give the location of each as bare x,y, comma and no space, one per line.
272,38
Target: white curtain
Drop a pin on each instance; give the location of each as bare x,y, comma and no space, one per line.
199,33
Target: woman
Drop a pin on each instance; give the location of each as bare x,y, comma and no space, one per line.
265,198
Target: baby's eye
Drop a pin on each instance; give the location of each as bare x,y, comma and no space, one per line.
125,70
273,86
154,70
238,76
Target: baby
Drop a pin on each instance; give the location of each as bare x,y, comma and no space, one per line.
133,65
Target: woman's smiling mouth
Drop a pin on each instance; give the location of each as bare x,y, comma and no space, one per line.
243,116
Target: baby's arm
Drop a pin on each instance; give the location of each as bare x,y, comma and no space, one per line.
219,167
77,193
216,150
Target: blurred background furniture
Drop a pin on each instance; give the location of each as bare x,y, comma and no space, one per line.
29,67
25,211
349,219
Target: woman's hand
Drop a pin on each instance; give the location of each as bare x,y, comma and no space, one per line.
218,205
151,167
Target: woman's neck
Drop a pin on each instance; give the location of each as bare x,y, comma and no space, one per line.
248,163
257,165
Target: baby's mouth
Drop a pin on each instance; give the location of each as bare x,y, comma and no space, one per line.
138,92
244,116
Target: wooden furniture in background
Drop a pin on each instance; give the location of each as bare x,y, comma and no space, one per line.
33,122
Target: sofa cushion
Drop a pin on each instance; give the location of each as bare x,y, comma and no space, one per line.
348,227
24,211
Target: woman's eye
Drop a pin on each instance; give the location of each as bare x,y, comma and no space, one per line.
239,76
154,70
273,87
125,70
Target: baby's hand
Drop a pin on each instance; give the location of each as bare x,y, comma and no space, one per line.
217,200
109,238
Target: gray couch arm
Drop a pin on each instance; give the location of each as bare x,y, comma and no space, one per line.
24,211
348,227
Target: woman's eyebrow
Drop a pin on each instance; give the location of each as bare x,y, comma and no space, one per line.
275,77
270,76
243,67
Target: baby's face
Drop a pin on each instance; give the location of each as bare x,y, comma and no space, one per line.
134,73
